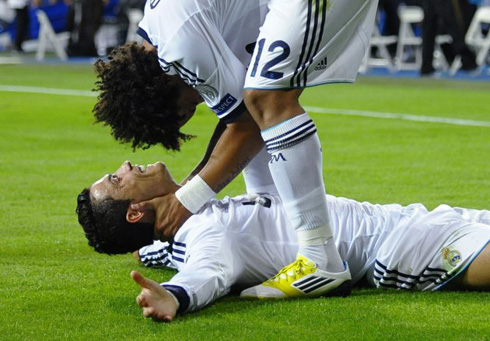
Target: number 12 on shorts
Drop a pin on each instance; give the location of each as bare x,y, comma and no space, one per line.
284,53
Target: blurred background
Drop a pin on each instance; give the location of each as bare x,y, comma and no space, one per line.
79,28
429,37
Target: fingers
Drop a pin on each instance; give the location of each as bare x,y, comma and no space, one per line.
155,315
143,206
151,204
140,279
149,312
145,283
141,301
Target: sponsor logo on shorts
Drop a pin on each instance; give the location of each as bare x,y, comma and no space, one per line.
322,65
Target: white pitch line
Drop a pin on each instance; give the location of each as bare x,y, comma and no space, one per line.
50,91
328,111
406,117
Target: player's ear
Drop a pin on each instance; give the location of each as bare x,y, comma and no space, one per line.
133,216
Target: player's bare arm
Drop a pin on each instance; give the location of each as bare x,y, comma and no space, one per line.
218,131
238,144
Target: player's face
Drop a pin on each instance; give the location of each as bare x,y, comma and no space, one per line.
188,100
134,182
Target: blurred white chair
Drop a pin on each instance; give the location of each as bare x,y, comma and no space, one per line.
410,15
106,36
382,58
475,37
134,16
47,35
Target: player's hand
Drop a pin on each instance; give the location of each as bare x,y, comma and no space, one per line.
170,215
155,300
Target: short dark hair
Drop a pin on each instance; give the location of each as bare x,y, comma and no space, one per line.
106,228
137,99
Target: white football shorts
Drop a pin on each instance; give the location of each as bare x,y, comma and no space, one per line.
305,43
429,249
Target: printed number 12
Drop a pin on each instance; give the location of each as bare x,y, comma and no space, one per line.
286,50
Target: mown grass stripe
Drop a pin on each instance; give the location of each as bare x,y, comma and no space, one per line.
49,91
318,110
398,116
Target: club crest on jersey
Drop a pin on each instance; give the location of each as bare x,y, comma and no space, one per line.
207,92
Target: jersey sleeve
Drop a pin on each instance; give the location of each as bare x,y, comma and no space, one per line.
195,49
206,63
156,255
208,272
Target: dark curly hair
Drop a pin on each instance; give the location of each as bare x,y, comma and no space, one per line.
106,228
137,99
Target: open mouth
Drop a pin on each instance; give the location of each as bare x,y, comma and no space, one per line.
142,169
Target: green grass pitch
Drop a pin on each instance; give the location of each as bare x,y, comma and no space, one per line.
53,286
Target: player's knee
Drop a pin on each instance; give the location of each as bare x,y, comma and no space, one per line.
270,107
256,102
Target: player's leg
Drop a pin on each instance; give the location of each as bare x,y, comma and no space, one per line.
296,167
257,176
477,275
289,133
278,73
474,215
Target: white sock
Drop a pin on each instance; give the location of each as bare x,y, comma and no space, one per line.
296,167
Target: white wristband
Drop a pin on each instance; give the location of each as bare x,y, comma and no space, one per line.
194,194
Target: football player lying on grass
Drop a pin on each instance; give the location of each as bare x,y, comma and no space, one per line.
243,240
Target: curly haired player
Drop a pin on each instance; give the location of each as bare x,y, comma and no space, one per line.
250,62
143,111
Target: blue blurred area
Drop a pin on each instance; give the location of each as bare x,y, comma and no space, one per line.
110,9
57,15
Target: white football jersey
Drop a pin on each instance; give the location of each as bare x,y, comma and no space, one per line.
208,43
242,241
